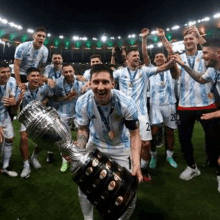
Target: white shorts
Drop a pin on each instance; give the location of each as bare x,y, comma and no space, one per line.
8,130
145,129
163,114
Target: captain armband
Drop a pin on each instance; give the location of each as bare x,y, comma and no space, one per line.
132,124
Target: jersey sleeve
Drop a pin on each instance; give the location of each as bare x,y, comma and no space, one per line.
19,52
82,118
149,71
209,75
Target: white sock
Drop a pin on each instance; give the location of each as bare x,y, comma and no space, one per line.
144,163
154,154
7,154
169,153
26,163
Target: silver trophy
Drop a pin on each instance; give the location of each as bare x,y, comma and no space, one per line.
108,186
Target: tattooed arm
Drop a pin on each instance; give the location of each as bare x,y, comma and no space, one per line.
82,136
197,76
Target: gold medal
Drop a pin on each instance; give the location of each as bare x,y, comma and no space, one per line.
111,134
163,83
210,95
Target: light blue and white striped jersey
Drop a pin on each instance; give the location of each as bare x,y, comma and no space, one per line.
67,108
135,86
29,56
51,73
87,114
86,74
192,93
38,94
5,91
162,89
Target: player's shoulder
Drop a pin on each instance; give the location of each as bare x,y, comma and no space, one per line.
122,98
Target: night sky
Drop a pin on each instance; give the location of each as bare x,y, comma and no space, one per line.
92,19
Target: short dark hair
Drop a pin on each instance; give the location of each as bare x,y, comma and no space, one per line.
131,49
37,29
212,43
32,69
95,56
101,68
57,53
3,65
68,64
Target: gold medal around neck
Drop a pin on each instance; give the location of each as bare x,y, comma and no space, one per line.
111,134
130,84
163,83
210,95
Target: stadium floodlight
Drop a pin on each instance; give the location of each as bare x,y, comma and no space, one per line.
48,35
216,15
95,39
61,36
31,31
176,27
205,19
167,29
192,23
103,38
75,38
119,37
112,38
84,38
154,32
150,46
160,44
4,21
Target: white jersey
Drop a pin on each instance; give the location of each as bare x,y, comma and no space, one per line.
9,89
29,56
51,73
38,94
87,114
134,85
192,93
162,89
87,74
67,108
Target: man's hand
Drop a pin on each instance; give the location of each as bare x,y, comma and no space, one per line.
1,135
211,115
144,32
177,59
80,78
51,83
160,32
22,86
73,94
136,171
9,101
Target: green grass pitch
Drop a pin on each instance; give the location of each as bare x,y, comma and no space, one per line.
50,195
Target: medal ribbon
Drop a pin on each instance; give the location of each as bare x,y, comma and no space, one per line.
191,60
103,118
132,78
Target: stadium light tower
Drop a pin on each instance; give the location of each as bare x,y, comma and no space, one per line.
104,38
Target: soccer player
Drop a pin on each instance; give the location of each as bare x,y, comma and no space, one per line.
133,82
66,92
162,100
33,92
211,55
54,70
30,54
108,120
194,100
7,97
162,111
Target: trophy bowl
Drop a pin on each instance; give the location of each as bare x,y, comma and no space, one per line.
107,185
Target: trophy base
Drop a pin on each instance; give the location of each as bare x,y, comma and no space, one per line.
108,186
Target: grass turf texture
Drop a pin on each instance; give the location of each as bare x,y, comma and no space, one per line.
51,195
